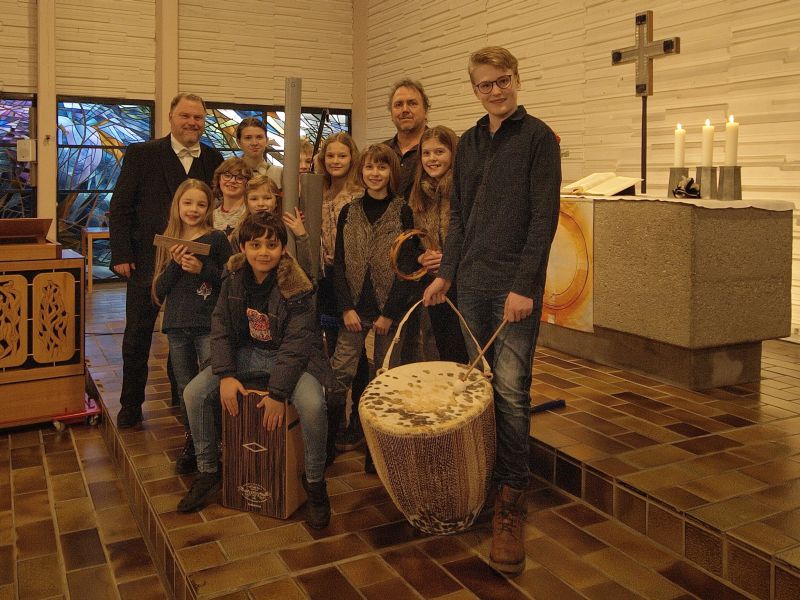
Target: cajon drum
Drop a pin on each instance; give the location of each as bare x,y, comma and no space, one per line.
261,471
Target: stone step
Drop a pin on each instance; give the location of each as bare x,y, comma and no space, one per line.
576,547
596,527
712,476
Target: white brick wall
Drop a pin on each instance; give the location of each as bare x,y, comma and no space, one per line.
105,48
18,46
740,58
243,54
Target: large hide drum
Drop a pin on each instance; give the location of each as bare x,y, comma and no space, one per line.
432,439
261,470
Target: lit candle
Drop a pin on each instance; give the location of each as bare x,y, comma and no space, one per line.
731,142
680,146
708,145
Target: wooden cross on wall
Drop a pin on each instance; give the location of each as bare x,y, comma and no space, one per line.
643,53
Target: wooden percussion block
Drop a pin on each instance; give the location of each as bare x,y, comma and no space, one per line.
165,242
261,470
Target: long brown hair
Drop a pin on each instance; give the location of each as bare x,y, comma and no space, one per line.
319,161
420,200
380,153
175,227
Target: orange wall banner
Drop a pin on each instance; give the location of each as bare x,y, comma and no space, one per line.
568,292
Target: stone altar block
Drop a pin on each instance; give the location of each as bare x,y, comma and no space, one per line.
686,290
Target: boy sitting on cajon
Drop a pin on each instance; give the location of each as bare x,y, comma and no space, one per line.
264,327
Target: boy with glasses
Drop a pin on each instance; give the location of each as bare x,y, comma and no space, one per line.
504,213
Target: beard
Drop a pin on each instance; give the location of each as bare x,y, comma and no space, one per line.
189,137
409,126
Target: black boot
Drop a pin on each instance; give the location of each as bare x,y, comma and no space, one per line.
352,437
173,383
186,462
205,488
318,508
129,416
335,414
369,466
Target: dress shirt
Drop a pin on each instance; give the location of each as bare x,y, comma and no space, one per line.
185,155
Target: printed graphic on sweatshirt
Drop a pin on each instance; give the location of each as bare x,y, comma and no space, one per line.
259,325
204,290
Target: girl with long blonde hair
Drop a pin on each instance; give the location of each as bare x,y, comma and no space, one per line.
337,160
188,285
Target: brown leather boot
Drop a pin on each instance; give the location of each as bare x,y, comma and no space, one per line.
507,554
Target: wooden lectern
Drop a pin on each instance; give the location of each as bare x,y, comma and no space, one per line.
42,371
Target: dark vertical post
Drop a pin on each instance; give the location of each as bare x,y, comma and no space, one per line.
291,148
317,140
644,144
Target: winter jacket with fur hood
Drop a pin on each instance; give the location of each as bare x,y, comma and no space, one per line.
293,322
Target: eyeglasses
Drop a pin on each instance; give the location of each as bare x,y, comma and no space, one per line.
485,87
236,178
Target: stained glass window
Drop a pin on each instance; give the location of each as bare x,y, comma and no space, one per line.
92,137
222,120
17,197
94,133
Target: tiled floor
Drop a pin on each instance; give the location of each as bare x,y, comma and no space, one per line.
66,530
646,491
714,476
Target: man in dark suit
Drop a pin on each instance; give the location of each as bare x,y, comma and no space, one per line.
151,172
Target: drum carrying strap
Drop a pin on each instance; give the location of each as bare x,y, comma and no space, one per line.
487,371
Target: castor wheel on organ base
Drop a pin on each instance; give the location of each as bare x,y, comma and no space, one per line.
94,420
91,413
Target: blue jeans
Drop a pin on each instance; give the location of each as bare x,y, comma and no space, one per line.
205,411
188,348
346,357
511,359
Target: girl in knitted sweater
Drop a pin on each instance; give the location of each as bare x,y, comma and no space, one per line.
337,161
369,294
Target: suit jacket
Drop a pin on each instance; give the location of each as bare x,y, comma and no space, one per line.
151,173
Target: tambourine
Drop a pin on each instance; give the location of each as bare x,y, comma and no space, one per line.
398,242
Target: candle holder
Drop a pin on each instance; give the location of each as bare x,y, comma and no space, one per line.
730,183
706,180
675,176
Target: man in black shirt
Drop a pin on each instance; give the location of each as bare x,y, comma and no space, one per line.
408,106
504,213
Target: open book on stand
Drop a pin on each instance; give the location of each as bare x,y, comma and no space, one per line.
602,184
